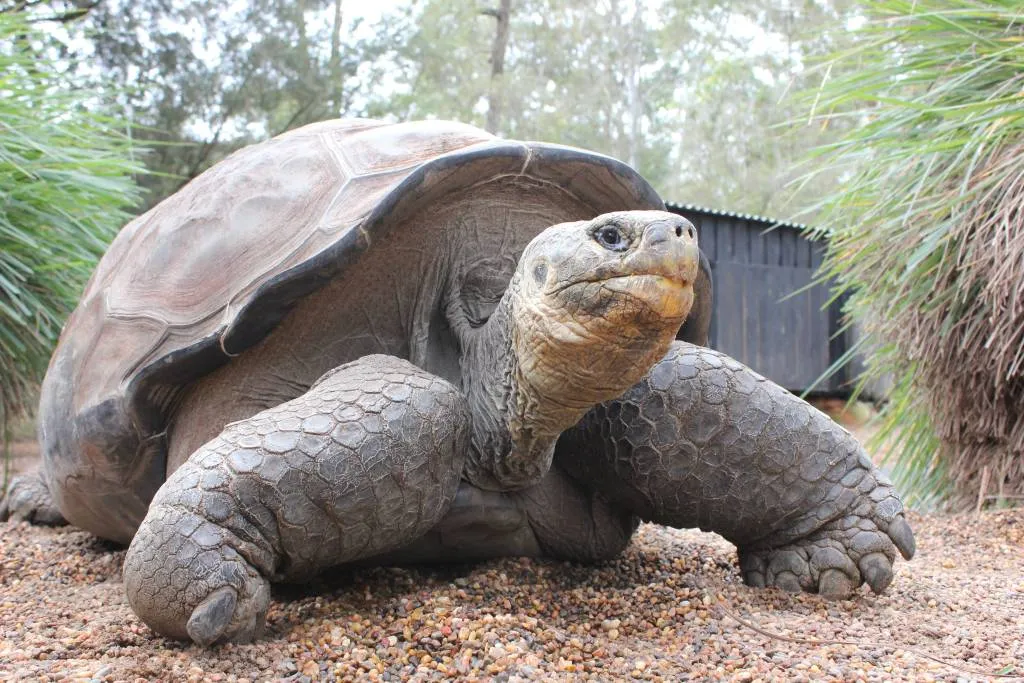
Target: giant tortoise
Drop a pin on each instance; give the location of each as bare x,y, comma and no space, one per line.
371,342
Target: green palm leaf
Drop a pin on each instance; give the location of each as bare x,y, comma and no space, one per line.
926,231
66,171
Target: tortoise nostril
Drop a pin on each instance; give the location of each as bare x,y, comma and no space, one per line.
679,231
691,233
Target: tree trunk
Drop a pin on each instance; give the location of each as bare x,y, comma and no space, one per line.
495,98
633,88
334,67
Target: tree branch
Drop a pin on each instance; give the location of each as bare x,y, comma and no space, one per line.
495,96
81,9
295,117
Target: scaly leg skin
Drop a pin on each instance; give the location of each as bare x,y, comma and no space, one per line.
28,499
366,461
705,442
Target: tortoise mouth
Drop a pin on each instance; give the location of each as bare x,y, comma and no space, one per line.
669,297
637,296
645,280
630,282
627,281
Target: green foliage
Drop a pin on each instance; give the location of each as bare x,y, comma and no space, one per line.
926,230
695,94
65,185
203,78
698,95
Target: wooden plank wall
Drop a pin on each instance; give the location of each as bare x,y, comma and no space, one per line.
767,314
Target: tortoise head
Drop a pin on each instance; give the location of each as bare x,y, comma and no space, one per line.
591,307
596,303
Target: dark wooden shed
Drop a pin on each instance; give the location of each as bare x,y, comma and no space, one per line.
767,314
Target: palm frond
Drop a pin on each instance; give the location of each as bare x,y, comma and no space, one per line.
65,185
926,234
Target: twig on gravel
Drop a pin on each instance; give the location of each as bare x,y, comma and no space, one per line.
861,643
982,490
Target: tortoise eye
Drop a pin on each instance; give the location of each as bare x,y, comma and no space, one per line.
610,237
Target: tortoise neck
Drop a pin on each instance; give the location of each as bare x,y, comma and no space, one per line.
515,427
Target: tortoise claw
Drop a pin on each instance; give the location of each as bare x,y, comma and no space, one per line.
902,536
876,569
834,584
788,581
212,617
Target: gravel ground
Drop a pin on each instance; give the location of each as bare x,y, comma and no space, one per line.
654,614
662,611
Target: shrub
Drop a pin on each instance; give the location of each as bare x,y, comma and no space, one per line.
926,231
66,170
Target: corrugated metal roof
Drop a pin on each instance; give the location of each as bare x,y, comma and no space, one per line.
768,222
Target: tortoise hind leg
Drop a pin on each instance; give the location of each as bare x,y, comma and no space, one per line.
557,518
705,442
28,499
573,522
367,460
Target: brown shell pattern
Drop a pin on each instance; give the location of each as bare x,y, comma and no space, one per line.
181,271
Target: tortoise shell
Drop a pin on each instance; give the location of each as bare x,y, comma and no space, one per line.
211,270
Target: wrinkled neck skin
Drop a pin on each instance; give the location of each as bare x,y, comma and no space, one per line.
530,374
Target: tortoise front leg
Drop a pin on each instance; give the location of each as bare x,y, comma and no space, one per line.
703,441
28,499
366,461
